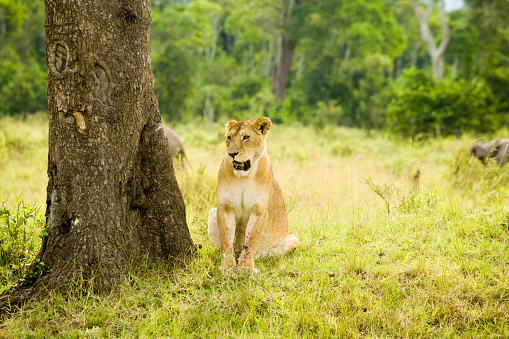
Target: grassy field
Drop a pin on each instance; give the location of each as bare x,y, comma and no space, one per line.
383,252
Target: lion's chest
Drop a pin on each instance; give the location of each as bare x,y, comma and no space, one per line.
242,196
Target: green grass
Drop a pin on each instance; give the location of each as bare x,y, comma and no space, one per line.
434,264
23,158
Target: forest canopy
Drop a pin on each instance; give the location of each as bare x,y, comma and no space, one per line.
358,63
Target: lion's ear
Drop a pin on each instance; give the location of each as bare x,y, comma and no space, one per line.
229,124
262,125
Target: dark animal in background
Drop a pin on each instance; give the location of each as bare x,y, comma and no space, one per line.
497,149
176,147
416,180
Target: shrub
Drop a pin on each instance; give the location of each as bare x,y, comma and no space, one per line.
21,230
422,105
22,86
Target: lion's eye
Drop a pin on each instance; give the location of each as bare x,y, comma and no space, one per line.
246,137
229,138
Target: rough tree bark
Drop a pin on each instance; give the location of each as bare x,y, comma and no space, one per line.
436,53
112,195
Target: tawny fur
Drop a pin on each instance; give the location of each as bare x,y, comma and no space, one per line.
251,217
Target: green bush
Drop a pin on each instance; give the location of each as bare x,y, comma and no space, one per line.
246,97
424,106
22,86
173,82
21,230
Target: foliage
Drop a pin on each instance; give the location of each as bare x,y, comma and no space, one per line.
23,78
23,87
423,106
173,64
491,59
213,59
21,230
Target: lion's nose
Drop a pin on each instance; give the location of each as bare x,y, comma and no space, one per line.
233,154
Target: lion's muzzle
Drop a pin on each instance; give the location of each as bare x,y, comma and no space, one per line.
242,166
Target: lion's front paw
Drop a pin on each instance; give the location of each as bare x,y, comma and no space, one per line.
252,270
228,263
246,263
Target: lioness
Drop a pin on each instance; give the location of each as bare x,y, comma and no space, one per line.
251,216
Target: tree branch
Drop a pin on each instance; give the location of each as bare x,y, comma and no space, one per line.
426,34
430,8
445,28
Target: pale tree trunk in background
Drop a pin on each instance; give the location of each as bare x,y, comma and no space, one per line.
415,51
267,59
454,69
112,196
208,110
210,54
300,68
210,51
284,56
436,53
399,66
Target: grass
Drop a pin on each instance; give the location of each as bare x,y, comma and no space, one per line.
23,158
380,255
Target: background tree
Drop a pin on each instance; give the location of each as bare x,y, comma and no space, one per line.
22,57
112,196
436,53
491,62
216,59
424,106
345,52
285,48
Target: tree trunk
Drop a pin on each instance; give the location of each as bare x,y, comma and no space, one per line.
399,66
210,51
267,59
281,68
436,53
284,56
112,195
454,69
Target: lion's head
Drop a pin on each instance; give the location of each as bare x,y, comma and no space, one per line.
245,141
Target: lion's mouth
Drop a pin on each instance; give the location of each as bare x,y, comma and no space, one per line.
242,166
